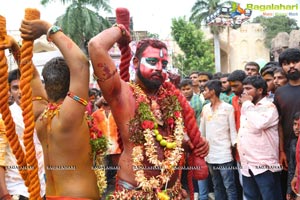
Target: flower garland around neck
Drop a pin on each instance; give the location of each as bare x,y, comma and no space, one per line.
51,110
144,129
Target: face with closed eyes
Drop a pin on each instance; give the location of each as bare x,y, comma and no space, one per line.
152,66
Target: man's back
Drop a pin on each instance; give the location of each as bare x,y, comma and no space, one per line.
67,158
61,125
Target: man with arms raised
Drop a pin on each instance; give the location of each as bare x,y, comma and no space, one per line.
148,115
62,128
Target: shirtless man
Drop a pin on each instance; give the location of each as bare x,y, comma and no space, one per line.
61,127
141,163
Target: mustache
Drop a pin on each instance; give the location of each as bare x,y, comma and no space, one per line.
157,74
293,70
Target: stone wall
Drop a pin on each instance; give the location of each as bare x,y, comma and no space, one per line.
239,46
284,40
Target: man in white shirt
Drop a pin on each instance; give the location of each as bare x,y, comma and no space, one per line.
218,126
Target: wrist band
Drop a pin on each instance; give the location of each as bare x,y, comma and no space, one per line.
78,99
121,27
53,29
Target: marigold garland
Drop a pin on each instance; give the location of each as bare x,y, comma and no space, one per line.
144,129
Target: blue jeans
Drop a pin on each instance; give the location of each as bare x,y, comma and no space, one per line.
265,186
203,189
223,180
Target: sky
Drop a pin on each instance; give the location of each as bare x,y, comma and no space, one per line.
155,16
151,15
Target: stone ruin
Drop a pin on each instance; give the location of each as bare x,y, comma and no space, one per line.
283,40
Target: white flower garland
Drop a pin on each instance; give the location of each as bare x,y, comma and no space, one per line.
166,166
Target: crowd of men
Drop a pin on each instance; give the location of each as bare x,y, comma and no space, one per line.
248,120
253,115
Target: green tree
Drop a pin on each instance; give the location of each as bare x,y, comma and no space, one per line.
274,25
81,21
198,53
152,35
202,9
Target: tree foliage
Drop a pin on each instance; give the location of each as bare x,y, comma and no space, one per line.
97,4
81,21
274,25
152,35
198,53
204,8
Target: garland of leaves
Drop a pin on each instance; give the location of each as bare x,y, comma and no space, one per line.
144,128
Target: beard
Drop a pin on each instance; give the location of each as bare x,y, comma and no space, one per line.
149,84
293,75
226,90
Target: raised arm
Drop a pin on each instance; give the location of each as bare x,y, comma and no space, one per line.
104,68
39,96
71,111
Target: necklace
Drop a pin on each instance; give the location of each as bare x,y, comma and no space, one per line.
145,126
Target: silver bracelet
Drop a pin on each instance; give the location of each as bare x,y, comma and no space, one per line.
53,29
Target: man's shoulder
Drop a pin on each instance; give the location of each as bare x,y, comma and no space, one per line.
226,105
207,106
266,102
286,89
196,97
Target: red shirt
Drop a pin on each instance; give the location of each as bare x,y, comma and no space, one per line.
237,114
